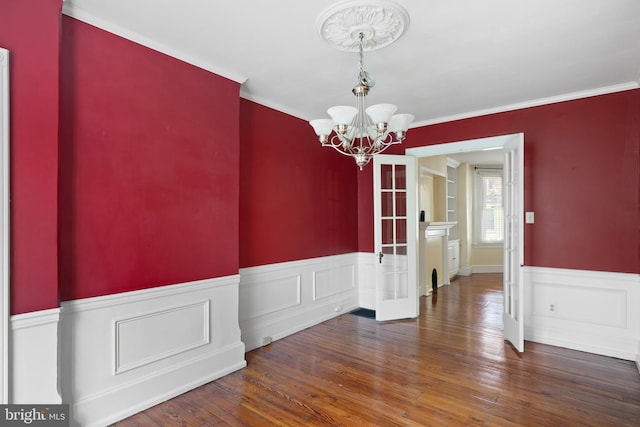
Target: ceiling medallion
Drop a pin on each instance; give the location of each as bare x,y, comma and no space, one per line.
378,22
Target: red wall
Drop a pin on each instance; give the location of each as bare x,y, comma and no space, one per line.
149,158
162,167
582,169
298,199
30,29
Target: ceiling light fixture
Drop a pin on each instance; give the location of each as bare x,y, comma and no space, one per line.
361,131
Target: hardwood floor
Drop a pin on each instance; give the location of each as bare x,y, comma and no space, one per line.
449,367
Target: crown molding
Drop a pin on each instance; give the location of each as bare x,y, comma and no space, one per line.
477,113
274,105
76,12
532,103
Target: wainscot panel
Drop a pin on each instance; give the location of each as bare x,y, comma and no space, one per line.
124,353
155,336
333,281
590,311
34,358
277,300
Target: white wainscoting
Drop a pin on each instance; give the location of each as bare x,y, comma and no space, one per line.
592,311
33,357
123,353
280,299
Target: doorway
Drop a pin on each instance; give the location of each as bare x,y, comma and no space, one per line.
513,247
448,188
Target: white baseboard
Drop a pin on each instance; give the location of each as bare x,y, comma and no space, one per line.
487,269
33,347
465,271
591,311
277,300
126,352
120,402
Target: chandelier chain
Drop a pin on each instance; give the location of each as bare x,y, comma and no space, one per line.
362,72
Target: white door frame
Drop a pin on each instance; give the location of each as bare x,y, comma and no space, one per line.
480,144
4,226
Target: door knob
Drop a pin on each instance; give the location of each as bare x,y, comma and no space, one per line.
380,255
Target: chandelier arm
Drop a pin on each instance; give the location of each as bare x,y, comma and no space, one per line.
382,143
378,146
332,142
340,146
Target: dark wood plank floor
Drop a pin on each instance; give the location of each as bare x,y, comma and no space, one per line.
449,367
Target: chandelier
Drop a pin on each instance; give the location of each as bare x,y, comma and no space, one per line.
361,131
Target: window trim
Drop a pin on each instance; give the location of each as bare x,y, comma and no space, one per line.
479,173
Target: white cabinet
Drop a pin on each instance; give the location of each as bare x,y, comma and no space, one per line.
454,257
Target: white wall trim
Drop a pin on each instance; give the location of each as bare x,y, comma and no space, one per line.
280,299
487,268
532,103
4,226
34,364
592,311
126,352
117,403
35,319
469,145
74,11
273,105
106,301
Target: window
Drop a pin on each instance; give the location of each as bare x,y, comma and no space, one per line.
489,213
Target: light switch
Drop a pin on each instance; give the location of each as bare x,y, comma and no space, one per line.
529,218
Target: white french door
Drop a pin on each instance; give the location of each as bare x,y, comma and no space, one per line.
513,316
396,235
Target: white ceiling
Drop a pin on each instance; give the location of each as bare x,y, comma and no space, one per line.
458,58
